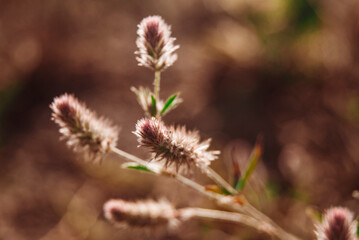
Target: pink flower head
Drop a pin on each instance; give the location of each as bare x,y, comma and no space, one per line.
82,129
337,224
175,146
155,44
147,213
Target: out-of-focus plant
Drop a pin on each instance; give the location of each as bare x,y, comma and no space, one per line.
175,151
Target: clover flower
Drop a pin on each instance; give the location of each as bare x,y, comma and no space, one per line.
145,213
155,44
174,145
337,224
82,129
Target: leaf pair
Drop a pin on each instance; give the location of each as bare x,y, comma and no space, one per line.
155,107
171,103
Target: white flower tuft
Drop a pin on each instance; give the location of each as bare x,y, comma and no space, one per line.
337,224
174,145
155,45
82,129
146,213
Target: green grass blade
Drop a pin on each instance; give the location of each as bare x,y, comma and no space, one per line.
153,111
254,158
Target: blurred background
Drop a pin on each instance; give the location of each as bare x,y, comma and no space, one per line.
286,69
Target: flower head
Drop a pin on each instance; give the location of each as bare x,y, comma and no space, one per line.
174,145
155,44
337,224
147,213
83,130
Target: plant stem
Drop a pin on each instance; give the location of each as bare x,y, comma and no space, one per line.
225,201
160,171
130,157
226,216
218,179
156,84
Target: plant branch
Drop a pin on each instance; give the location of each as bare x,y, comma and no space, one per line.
229,202
218,179
187,213
160,171
156,84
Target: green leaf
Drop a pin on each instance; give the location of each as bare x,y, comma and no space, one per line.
358,227
140,168
168,105
236,173
135,166
254,158
240,184
153,110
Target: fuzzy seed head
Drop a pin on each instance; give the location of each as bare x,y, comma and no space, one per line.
155,45
337,224
146,213
174,145
82,129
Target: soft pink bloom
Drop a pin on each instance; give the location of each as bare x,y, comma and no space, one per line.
337,224
155,44
147,213
174,145
82,129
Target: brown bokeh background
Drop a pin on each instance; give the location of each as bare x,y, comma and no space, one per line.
286,69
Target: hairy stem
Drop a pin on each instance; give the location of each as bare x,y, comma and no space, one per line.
156,84
218,179
226,216
228,202
160,171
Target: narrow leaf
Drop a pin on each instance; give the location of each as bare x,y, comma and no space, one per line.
236,172
135,166
358,227
153,110
253,160
139,167
168,104
239,185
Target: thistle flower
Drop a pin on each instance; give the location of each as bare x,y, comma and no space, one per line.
83,130
175,146
147,213
155,44
337,224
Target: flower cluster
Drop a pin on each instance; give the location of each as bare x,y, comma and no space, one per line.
337,224
174,145
84,131
155,44
146,213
